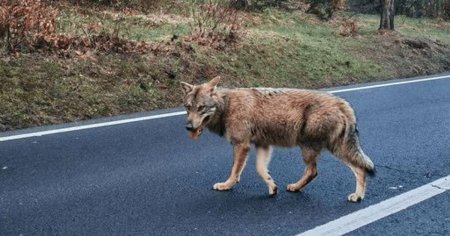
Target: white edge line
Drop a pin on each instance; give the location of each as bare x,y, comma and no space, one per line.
389,84
82,127
380,210
118,122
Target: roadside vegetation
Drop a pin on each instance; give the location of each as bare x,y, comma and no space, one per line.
63,61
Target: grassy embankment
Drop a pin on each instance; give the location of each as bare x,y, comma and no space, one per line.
276,48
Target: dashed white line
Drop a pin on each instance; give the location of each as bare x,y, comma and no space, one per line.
380,210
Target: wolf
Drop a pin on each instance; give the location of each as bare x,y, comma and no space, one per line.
267,117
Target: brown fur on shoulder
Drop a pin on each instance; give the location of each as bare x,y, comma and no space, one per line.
269,117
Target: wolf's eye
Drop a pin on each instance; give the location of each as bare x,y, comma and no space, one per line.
201,107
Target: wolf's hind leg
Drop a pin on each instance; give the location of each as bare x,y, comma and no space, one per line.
263,157
352,155
360,174
240,158
310,158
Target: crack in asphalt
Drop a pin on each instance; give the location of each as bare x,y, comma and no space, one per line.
440,187
405,171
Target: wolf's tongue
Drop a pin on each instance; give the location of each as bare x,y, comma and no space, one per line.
196,133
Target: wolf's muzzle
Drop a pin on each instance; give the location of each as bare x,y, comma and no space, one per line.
189,127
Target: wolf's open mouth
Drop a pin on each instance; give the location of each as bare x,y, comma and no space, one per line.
196,133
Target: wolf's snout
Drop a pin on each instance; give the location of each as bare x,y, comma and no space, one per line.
189,126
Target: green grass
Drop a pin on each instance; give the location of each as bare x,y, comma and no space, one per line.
36,92
434,29
423,27
287,51
140,28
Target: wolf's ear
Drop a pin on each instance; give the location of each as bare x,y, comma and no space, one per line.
214,82
187,88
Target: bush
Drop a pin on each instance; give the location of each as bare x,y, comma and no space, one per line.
214,24
30,25
27,25
325,9
348,27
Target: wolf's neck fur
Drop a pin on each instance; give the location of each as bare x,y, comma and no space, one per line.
217,124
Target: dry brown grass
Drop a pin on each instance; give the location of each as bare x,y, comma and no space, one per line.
27,25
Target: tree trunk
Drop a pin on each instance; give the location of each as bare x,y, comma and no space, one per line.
387,15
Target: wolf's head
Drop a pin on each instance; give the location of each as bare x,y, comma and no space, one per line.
200,102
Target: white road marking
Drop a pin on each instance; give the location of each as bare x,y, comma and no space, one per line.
339,226
91,126
380,210
125,121
389,84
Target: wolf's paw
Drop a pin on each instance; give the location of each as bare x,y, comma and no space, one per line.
354,197
273,191
293,188
222,186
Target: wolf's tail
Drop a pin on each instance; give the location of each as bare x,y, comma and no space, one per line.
356,155
349,150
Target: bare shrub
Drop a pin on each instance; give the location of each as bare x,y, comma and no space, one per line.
338,5
326,9
27,24
214,25
30,25
348,27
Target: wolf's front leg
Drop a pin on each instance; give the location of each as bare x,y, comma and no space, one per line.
240,159
263,156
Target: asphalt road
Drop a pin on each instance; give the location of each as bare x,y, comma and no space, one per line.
149,178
